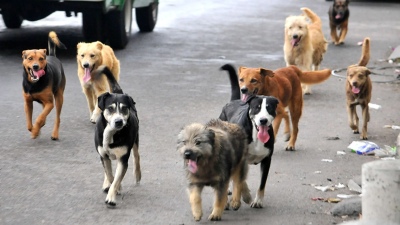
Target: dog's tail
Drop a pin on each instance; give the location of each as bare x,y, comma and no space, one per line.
115,88
313,17
313,77
233,77
365,53
54,42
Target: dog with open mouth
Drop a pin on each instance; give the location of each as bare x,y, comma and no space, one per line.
255,114
214,154
358,91
89,57
116,135
339,14
43,82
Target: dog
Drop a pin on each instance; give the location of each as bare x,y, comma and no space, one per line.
304,44
43,82
116,133
339,14
89,57
358,91
214,154
255,115
285,85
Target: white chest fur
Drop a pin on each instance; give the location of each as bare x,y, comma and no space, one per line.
112,153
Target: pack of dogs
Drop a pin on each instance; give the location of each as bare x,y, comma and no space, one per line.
216,153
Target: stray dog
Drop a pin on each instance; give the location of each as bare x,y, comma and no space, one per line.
339,14
214,154
89,57
358,91
255,114
285,85
116,133
305,43
43,82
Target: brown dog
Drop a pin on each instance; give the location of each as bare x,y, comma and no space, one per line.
305,43
43,82
338,20
285,85
358,91
89,57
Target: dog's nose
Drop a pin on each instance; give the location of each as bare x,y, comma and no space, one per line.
86,65
188,154
263,121
354,83
35,66
244,90
118,123
295,36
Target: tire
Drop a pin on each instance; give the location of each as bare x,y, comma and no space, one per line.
12,19
146,17
93,26
119,26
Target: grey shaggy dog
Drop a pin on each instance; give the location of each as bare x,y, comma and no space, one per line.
214,154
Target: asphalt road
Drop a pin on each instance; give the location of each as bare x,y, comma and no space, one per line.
173,75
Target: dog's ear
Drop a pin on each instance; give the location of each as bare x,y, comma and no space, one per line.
211,136
101,100
23,55
242,68
274,101
367,71
265,72
99,45
131,103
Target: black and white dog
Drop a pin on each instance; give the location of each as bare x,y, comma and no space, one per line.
255,114
116,133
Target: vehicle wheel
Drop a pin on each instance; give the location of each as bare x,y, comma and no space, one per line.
119,25
93,26
11,18
146,17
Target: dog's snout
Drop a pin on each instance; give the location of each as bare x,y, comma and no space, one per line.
244,90
86,65
118,123
35,66
188,154
354,83
295,36
263,121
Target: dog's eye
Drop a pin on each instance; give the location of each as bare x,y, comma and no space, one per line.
253,81
30,58
124,110
41,59
300,27
91,55
110,109
241,80
82,55
197,142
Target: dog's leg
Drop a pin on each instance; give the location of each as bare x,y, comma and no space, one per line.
365,115
28,106
48,105
122,166
278,119
220,199
59,99
108,176
91,100
195,201
246,196
295,109
137,171
343,32
238,178
352,118
264,166
286,120
334,36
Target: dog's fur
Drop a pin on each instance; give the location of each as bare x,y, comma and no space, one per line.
43,82
358,91
214,154
285,85
116,133
305,43
255,115
339,14
89,57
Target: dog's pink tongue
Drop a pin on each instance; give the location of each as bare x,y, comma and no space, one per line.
338,16
39,73
244,97
192,166
294,42
355,90
86,78
263,135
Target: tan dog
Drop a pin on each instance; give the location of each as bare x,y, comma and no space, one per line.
89,57
339,14
43,82
358,91
305,43
285,85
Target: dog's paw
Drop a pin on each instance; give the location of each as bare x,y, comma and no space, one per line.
214,217
235,205
105,190
54,138
246,196
290,148
286,137
110,203
356,132
362,137
197,216
257,203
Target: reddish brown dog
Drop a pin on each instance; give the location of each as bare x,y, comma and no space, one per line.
285,85
358,91
43,82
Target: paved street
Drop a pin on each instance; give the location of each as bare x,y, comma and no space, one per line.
173,75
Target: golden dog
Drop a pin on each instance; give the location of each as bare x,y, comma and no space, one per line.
89,57
358,91
305,43
285,85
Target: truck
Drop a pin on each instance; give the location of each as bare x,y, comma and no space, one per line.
109,21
